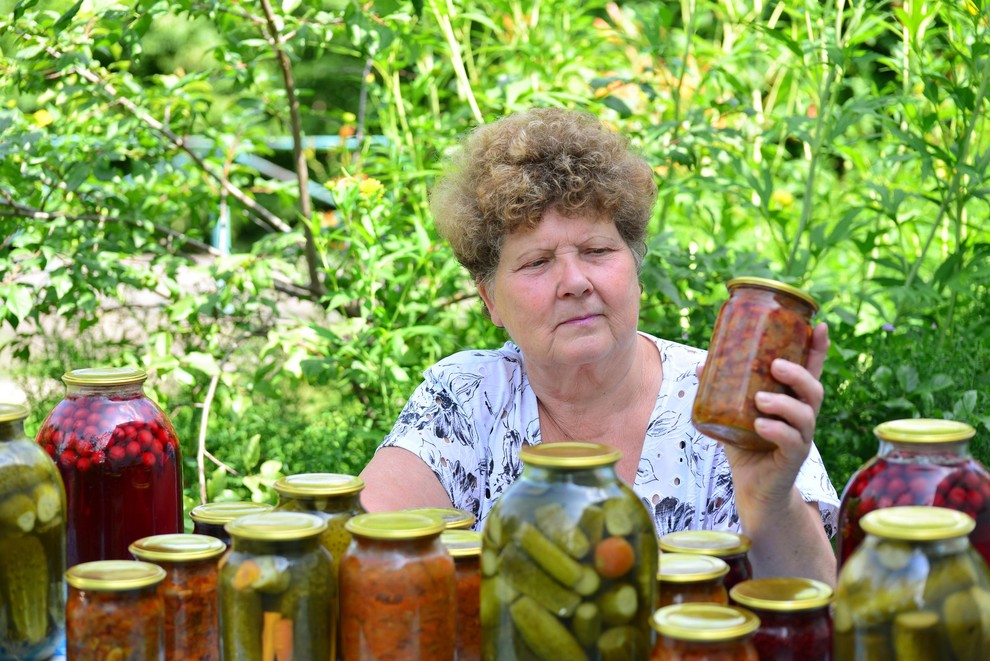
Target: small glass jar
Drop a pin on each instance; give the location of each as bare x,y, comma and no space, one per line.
569,560
732,547
120,462
453,519
465,547
914,589
210,518
277,596
794,617
192,627
704,632
32,544
397,589
690,577
762,320
918,462
115,611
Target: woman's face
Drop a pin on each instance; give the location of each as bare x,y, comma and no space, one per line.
567,292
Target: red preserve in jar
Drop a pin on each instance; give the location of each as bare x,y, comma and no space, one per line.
762,320
690,577
794,617
465,547
704,632
119,460
919,462
732,547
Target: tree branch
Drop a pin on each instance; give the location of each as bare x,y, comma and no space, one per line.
201,445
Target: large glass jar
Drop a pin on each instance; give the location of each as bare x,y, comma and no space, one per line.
732,547
277,596
704,632
32,544
115,611
465,547
762,320
795,624
919,462
569,560
397,590
120,462
192,625
453,518
210,518
685,578
914,589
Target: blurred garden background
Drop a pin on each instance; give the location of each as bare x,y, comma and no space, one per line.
234,195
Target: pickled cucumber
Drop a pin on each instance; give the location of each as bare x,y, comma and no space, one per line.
950,574
47,502
241,620
24,587
916,636
623,644
587,624
620,517
553,521
524,576
618,605
23,476
17,513
543,632
592,524
550,557
967,623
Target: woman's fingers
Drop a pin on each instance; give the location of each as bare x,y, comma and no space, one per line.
818,350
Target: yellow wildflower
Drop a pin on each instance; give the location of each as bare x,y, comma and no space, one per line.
42,118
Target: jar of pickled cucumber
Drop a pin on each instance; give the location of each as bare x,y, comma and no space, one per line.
569,560
918,462
210,518
192,628
732,547
120,462
689,577
465,547
795,624
277,596
453,519
914,589
704,632
762,320
398,596
115,611
32,544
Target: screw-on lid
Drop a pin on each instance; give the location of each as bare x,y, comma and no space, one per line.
12,412
394,525
766,283
924,430
704,622
453,519
114,575
569,455
177,548
462,543
781,594
220,513
690,567
318,484
276,526
721,543
917,523
104,376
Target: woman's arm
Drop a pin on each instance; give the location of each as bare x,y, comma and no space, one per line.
395,478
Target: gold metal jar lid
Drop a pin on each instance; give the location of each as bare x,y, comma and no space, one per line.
782,594
224,512
721,543
394,525
569,454
453,519
924,430
177,547
462,543
12,412
704,622
114,575
766,283
690,568
318,484
276,526
104,376
916,523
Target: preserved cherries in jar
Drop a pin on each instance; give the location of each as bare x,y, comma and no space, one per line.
795,624
704,632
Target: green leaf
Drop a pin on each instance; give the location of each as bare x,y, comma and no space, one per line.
67,17
17,299
203,362
22,6
251,454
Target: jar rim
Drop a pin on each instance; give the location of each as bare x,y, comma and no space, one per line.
395,525
917,523
462,543
114,575
318,484
276,526
569,454
12,412
705,542
177,547
104,376
782,594
453,518
226,511
704,622
924,430
775,285
690,567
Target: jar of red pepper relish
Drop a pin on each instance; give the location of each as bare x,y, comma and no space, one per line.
465,547
119,460
690,577
919,462
762,320
732,547
794,617
210,518
704,632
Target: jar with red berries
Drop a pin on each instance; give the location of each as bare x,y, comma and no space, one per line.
794,617
120,462
919,462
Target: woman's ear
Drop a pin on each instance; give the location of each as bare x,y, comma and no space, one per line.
489,299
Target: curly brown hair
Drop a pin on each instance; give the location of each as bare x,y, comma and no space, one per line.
505,175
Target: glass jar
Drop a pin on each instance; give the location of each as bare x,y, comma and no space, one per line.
762,320
794,617
210,518
397,589
918,462
32,543
453,519
732,547
120,462
569,560
704,632
465,547
115,611
277,596
914,589
192,628
689,577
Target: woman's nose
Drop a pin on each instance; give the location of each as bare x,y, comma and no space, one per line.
574,281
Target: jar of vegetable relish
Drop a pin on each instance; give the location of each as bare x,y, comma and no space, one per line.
453,519
192,625
32,544
919,462
115,611
210,518
277,598
762,320
704,632
732,547
120,462
569,560
465,547
688,577
398,588
795,624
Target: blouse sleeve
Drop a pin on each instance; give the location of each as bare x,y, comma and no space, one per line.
815,486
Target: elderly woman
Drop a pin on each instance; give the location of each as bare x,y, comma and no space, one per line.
548,210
